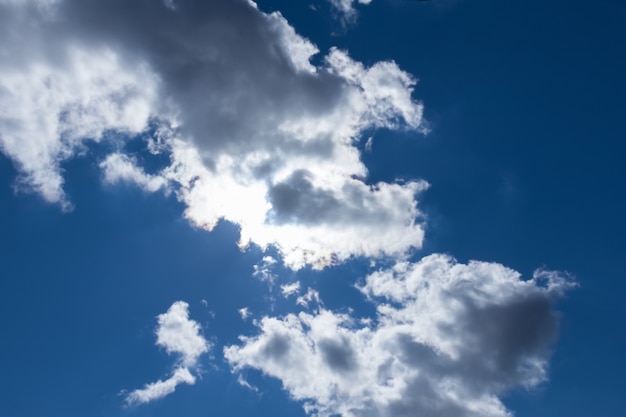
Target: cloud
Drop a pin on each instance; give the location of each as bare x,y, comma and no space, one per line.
119,168
310,296
256,134
177,334
244,312
346,9
47,112
160,389
263,269
290,289
449,339
241,381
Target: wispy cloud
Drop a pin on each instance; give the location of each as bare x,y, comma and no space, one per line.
290,289
346,9
159,389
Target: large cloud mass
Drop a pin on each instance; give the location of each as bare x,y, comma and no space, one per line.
256,134
448,340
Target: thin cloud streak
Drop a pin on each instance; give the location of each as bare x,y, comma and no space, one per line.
159,389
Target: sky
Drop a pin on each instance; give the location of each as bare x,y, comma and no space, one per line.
312,208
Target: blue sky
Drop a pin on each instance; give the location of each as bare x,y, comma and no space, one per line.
388,188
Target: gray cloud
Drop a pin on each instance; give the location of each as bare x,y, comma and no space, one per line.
219,61
237,106
276,347
338,354
296,199
346,9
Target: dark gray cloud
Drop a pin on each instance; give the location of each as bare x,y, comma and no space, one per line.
219,62
338,354
296,199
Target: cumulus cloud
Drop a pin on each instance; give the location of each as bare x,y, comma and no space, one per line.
257,135
244,312
263,269
449,339
178,335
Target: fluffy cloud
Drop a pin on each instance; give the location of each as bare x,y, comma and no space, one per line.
257,135
448,340
179,335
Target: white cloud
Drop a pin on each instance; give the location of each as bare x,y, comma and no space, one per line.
160,389
257,134
55,95
244,313
118,167
311,295
290,289
449,339
263,270
48,111
179,335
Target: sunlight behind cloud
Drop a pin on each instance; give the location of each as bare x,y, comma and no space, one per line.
256,134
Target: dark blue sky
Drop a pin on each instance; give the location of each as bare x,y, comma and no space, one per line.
525,102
